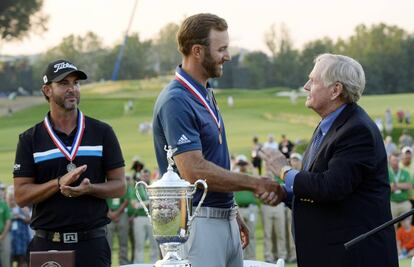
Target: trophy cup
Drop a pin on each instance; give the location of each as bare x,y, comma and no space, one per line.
170,212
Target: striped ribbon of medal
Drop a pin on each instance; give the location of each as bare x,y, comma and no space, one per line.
68,152
203,101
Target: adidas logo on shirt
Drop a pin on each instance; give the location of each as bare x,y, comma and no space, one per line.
16,167
183,140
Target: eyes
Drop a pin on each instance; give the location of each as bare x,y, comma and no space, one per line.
223,49
66,83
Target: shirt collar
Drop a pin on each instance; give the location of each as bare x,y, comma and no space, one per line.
327,122
59,133
200,88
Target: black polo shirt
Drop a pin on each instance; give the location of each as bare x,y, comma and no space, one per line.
38,157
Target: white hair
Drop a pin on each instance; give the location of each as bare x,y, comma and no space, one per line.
345,70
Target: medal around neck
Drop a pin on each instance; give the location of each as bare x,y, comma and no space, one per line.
68,152
170,207
70,167
193,90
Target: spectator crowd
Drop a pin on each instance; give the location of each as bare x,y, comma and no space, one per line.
131,226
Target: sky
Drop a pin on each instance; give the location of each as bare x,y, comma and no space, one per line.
248,21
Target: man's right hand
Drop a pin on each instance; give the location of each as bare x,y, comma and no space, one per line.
269,191
72,176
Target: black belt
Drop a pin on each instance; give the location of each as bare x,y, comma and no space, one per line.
71,237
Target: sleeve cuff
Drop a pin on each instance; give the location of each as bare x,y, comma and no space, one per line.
289,180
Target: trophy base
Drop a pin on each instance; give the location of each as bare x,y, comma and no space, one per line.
172,256
169,263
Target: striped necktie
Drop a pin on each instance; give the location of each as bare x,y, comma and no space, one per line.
314,148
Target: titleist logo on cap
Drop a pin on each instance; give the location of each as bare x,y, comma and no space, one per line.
63,65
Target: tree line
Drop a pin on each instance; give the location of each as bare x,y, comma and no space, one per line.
386,52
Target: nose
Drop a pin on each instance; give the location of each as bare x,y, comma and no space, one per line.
227,56
72,86
307,85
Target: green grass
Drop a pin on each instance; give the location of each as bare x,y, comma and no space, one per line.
257,112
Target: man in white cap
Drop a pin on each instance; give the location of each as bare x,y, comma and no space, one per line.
407,164
406,160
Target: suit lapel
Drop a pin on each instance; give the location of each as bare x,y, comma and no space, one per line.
340,120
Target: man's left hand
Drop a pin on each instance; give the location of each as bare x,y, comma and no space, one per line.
75,191
244,231
274,160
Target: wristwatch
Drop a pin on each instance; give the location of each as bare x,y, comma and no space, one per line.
283,171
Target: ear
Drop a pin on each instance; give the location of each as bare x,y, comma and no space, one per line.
47,90
337,89
197,51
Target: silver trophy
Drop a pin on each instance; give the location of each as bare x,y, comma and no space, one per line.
170,212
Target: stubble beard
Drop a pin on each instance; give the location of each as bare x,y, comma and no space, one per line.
210,66
65,104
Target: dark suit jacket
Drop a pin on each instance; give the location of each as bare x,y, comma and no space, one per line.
345,193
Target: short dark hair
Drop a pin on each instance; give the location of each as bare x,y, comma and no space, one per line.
137,165
196,30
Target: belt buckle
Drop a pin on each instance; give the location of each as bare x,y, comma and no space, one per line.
70,237
56,237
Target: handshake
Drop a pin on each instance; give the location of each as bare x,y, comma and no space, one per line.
268,190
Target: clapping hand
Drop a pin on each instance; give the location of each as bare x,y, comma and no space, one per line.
69,178
72,176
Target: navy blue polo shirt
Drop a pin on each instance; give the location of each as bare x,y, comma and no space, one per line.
183,122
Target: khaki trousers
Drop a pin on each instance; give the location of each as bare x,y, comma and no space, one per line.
274,227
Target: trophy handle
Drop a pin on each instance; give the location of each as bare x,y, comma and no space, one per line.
139,197
201,200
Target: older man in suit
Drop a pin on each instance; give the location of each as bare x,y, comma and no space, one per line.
342,190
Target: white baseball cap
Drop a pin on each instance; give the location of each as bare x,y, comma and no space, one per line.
240,159
296,156
407,149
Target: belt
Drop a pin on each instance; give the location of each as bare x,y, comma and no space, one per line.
71,237
217,213
244,206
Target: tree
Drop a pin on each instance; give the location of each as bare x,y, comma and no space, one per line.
135,64
380,50
256,65
17,17
165,49
284,57
278,40
309,52
84,51
408,64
